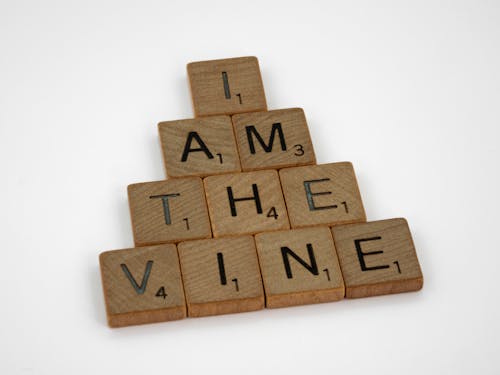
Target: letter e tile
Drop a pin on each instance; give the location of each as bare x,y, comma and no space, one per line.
377,258
325,194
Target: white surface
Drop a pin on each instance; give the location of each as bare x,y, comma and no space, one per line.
409,92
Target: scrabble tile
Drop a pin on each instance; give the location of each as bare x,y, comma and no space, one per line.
168,211
221,276
325,194
142,285
245,203
226,86
377,258
199,147
273,139
299,266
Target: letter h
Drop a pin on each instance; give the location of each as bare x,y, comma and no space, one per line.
233,200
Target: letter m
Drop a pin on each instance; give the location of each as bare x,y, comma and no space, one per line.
252,132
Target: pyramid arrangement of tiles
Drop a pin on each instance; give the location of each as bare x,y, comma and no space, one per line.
246,218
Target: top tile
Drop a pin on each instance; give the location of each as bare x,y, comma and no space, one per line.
226,86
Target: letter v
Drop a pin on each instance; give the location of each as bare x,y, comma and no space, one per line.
142,288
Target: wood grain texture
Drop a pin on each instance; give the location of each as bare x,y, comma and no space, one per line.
157,295
226,86
221,276
377,258
287,282
199,147
325,194
168,211
248,216
273,139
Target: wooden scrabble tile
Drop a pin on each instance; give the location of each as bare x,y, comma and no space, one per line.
273,139
245,203
142,285
325,194
226,86
299,266
377,258
199,147
221,276
168,211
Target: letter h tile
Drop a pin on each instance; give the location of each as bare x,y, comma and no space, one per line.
245,203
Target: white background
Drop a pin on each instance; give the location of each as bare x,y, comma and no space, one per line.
407,91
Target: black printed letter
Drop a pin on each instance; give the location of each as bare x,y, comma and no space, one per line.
313,268
361,255
188,149
140,289
222,269
232,200
310,195
166,207
269,147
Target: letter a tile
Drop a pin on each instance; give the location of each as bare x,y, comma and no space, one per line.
168,211
142,285
245,203
227,86
325,194
299,266
199,147
273,139
221,276
377,258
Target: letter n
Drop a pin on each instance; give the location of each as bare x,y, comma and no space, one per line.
312,267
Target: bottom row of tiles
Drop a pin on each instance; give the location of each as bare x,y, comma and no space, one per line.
274,269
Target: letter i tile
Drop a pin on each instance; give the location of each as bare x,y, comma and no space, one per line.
226,86
221,276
